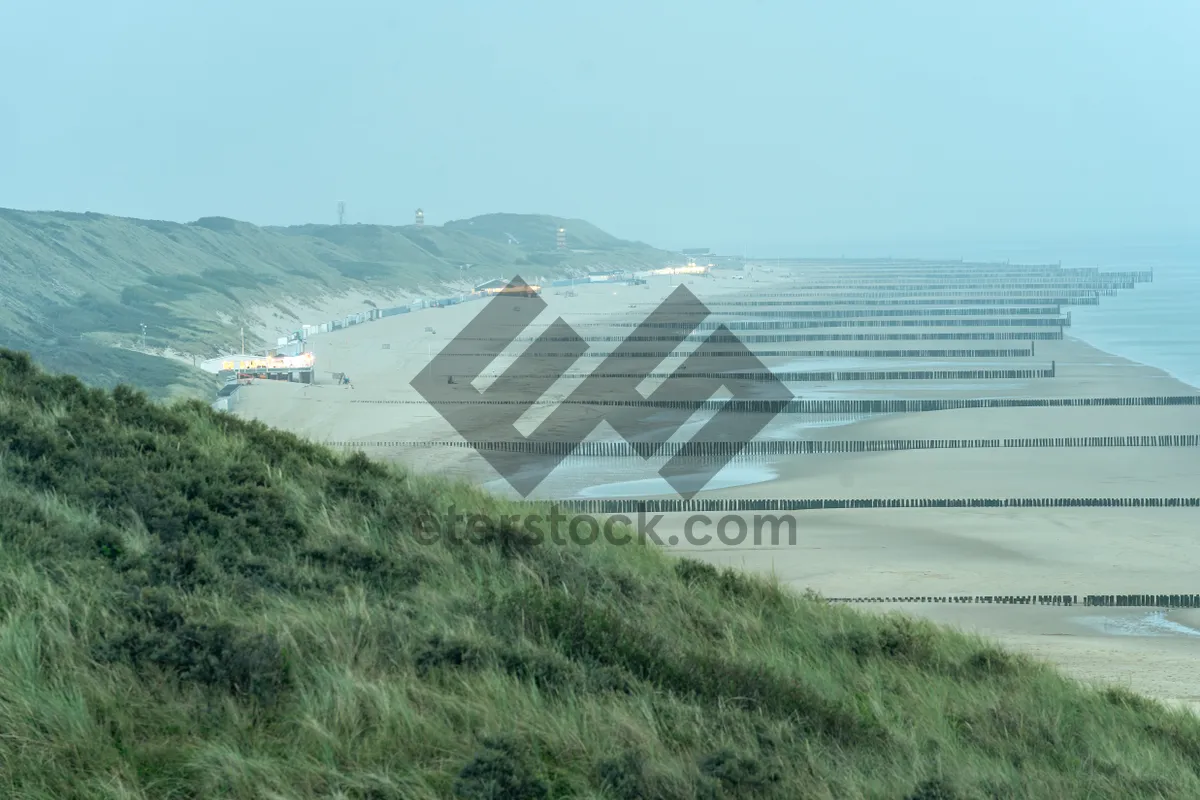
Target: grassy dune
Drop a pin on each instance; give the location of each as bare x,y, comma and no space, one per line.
109,367
74,284
198,607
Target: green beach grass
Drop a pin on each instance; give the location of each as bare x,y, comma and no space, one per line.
193,606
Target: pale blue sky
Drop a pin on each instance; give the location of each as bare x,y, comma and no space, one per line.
768,126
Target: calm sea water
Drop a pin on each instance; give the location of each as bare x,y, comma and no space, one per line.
1155,323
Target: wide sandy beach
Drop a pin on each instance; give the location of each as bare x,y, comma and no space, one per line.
867,553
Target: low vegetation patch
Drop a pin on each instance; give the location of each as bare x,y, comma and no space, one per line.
193,606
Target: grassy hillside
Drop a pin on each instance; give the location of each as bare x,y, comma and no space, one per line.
197,607
73,278
108,367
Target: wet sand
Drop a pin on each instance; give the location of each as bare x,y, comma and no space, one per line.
875,553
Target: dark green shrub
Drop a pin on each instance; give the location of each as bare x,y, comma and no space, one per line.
738,773
458,653
499,771
351,560
933,789
249,666
628,777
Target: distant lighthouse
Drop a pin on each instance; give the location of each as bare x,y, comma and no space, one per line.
420,218
562,238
